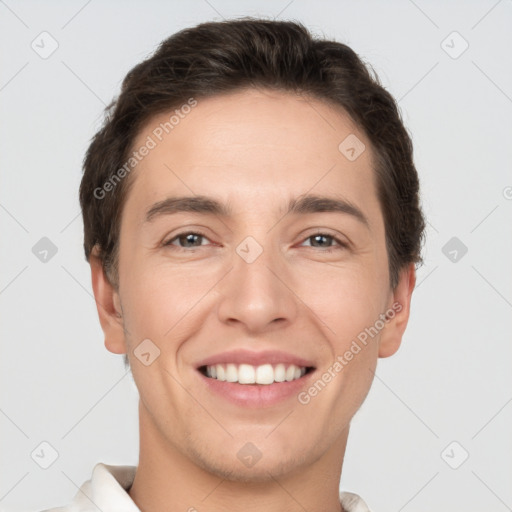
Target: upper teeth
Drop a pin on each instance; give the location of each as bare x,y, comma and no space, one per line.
248,374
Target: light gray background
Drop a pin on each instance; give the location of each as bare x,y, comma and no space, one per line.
450,380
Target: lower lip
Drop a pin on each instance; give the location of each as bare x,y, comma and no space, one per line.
257,395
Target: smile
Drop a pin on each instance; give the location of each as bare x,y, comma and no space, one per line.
264,374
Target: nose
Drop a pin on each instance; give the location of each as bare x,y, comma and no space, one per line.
257,293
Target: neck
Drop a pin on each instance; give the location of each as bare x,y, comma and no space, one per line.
167,479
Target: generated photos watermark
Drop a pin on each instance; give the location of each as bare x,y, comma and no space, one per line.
151,142
304,397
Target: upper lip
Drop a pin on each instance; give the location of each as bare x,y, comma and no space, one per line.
255,358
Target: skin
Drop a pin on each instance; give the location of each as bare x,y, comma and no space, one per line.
257,150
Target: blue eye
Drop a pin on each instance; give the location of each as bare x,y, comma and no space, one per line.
319,236
186,237
192,237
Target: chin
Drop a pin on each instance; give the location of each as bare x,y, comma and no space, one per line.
232,468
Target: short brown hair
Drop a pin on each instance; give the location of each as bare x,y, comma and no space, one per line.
221,57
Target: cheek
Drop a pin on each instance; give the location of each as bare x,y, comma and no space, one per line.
347,300
147,304
357,380
160,300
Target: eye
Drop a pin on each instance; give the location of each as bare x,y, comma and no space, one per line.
192,239
322,237
186,238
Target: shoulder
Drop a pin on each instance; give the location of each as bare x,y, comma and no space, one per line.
352,502
105,490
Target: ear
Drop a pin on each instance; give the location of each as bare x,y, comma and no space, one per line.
398,308
108,305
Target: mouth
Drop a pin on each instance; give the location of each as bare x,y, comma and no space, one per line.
251,375
257,380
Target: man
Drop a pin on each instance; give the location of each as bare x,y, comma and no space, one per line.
285,165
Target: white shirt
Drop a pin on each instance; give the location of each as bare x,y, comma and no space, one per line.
108,486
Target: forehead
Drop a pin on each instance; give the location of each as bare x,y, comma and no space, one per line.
254,148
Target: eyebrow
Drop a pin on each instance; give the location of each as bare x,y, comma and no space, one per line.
303,205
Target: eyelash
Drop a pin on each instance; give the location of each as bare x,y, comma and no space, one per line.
342,245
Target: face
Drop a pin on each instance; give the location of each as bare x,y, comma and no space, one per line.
242,279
